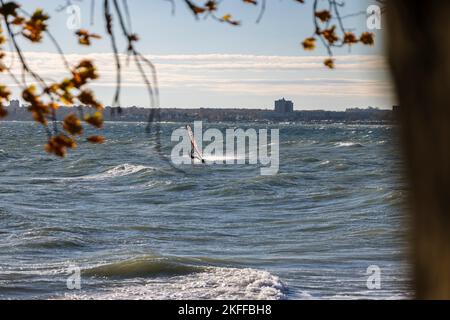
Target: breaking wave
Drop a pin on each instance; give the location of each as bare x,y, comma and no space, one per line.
179,278
348,144
118,171
115,172
142,267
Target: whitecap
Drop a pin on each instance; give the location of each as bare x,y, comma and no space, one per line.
348,144
118,171
211,283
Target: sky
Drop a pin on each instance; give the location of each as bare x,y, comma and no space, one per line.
206,63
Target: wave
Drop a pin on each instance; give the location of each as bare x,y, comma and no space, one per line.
180,187
212,284
348,144
53,243
142,267
3,154
279,180
183,279
48,238
324,163
118,171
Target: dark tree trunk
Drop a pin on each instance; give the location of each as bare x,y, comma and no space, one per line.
419,55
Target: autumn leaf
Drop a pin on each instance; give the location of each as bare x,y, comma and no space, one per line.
309,44
84,37
35,26
95,119
4,97
133,37
58,145
66,98
18,21
350,38
211,5
329,63
96,139
330,35
4,93
367,38
323,16
37,108
9,9
83,72
87,97
73,125
2,39
227,18
3,112
194,8
53,105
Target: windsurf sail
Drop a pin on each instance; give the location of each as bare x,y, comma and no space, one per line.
195,151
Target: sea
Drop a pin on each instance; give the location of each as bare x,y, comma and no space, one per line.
119,221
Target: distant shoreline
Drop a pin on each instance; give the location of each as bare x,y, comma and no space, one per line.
135,114
365,122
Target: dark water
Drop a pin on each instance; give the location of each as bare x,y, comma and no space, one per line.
139,229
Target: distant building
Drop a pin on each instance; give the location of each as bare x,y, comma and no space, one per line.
14,104
284,106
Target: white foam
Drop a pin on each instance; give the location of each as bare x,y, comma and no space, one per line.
222,159
218,159
118,171
212,283
347,144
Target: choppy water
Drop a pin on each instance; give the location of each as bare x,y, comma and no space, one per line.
138,229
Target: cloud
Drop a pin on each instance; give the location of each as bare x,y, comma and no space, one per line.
256,75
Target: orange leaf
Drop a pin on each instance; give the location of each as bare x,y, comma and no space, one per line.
96,139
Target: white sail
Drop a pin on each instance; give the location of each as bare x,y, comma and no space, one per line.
194,143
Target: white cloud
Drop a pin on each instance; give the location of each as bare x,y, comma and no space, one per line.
256,75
